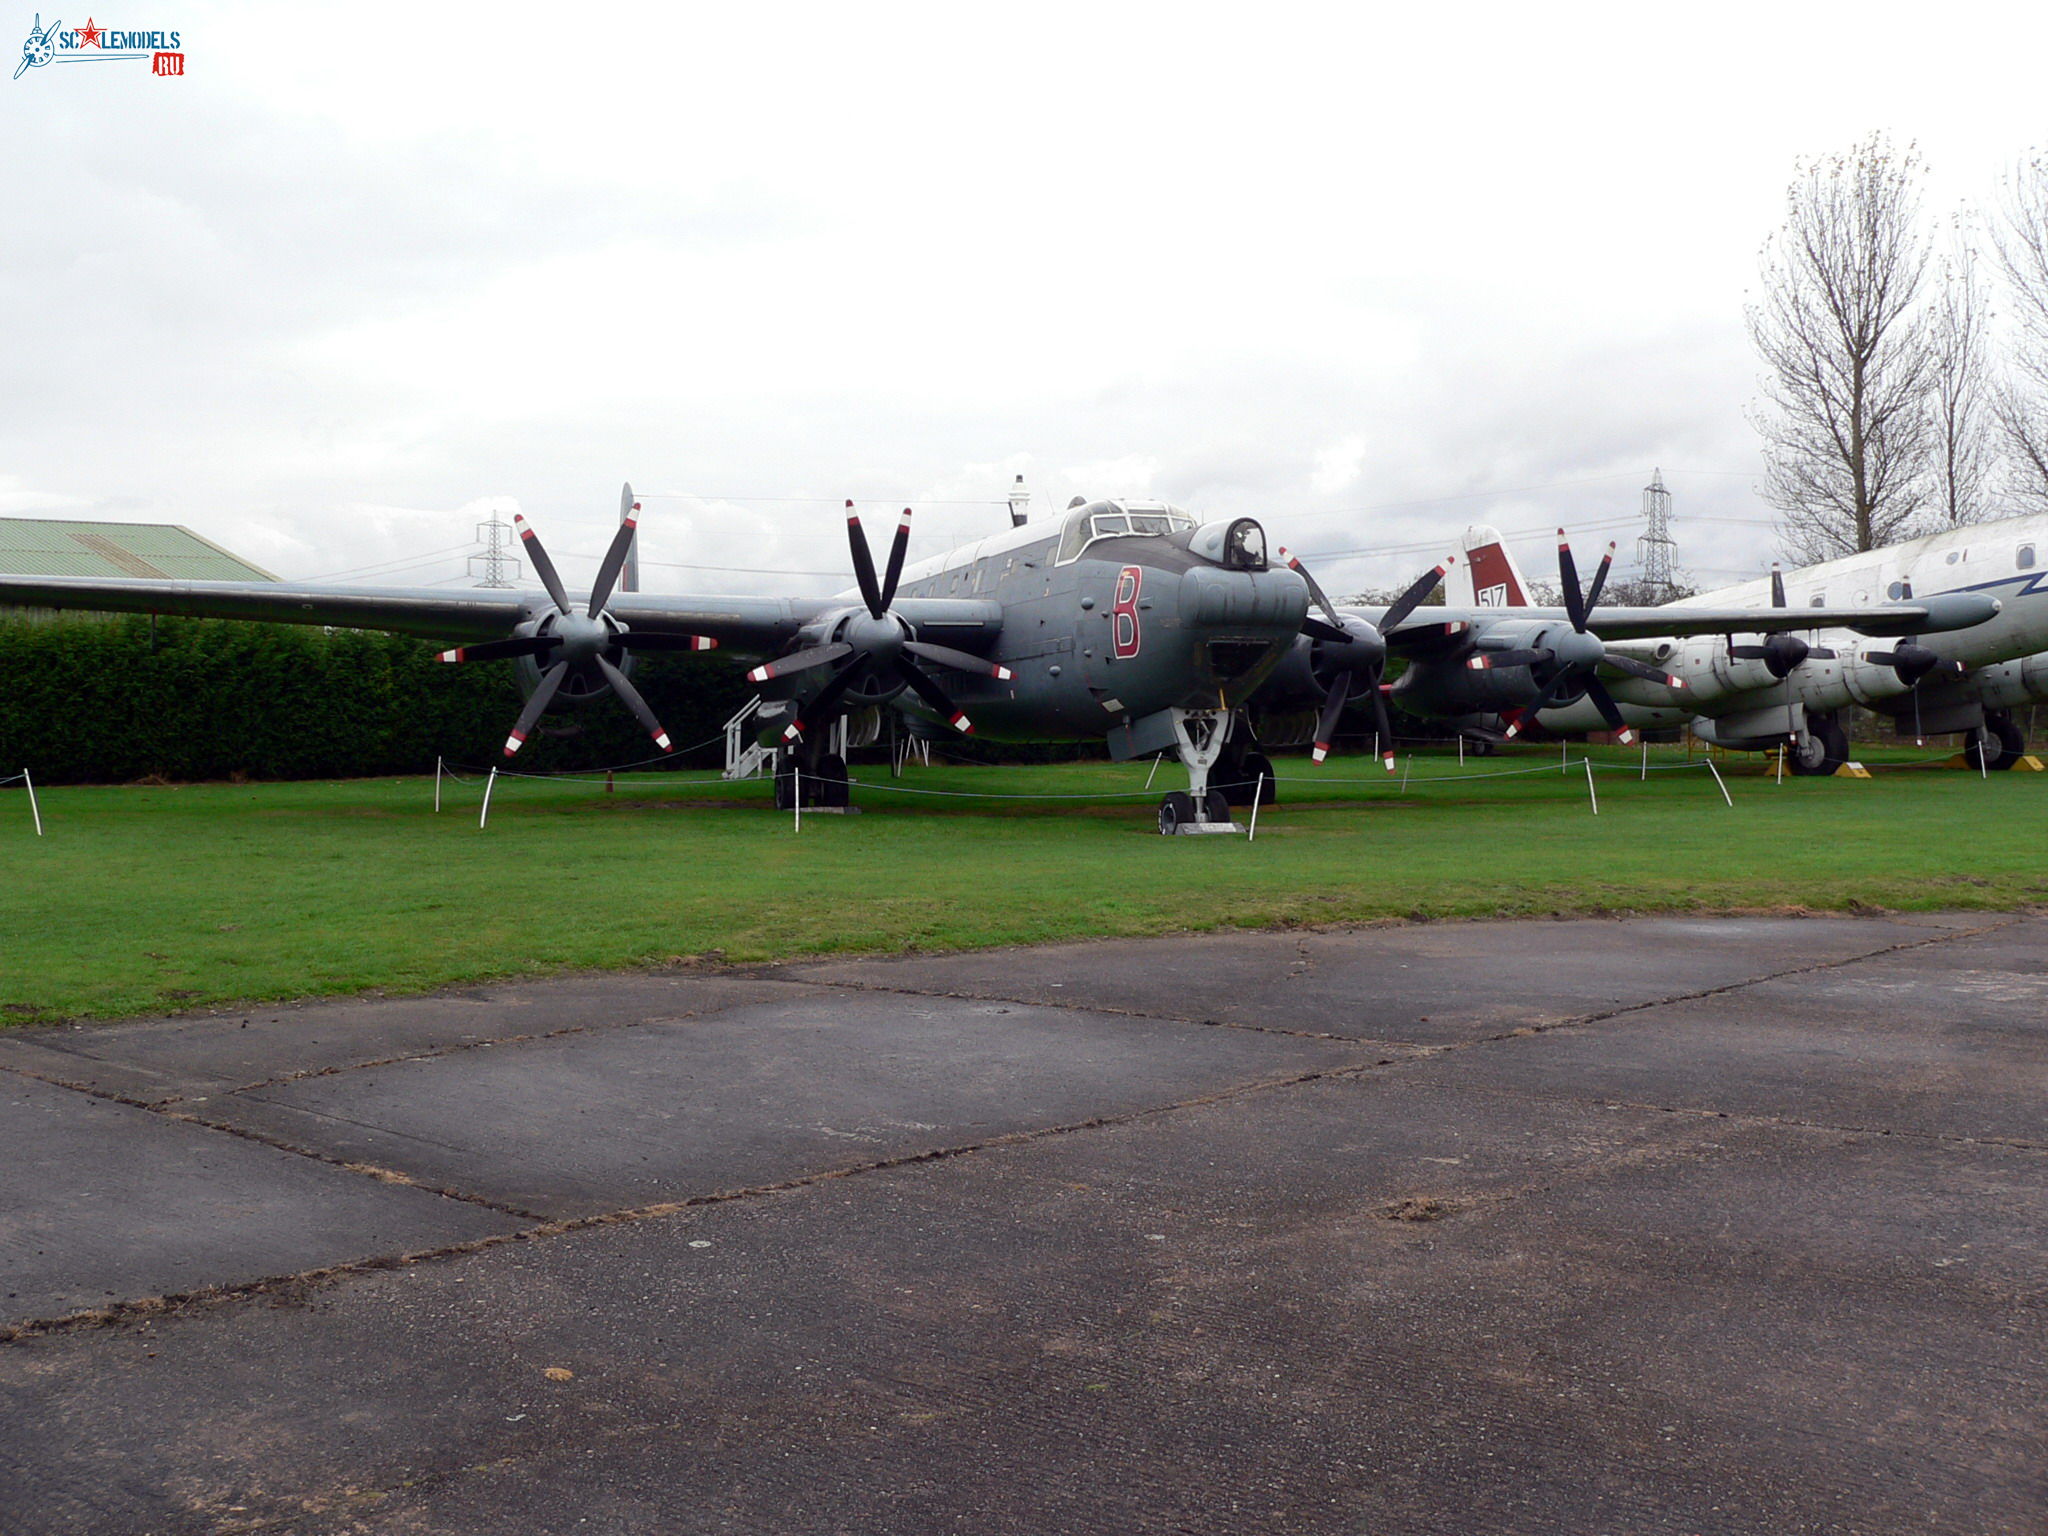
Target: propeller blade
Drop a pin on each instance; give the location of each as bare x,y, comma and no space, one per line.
863,564
1609,710
654,640
1528,713
801,661
1599,579
614,558
1333,706
1777,587
1568,578
497,650
623,687
536,705
1383,723
1315,592
959,661
543,567
1747,652
1642,669
1316,629
1407,602
1486,661
826,705
896,549
1822,653
932,694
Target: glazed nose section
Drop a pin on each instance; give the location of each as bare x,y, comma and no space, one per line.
1274,600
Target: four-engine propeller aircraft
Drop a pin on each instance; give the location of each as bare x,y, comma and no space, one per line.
1490,661
1127,622
1794,687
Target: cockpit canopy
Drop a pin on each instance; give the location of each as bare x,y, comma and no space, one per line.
1117,520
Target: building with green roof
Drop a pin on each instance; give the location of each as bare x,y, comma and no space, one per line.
48,546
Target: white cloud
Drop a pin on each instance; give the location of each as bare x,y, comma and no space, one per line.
1360,272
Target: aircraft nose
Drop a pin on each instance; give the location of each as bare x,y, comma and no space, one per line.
1274,599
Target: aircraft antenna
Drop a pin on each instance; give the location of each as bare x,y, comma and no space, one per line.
1654,550
497,564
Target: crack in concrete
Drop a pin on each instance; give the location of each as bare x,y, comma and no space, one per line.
430,1053
120,1312
544,1227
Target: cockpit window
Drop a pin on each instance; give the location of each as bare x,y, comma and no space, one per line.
1107,520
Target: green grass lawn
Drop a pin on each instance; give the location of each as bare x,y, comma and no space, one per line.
146,899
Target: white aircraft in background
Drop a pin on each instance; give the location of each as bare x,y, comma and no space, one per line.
1794,685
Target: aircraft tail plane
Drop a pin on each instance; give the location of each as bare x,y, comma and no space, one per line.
1488,576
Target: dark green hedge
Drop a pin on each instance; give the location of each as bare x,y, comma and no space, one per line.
102,700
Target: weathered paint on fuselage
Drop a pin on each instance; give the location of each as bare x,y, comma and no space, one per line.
1127,626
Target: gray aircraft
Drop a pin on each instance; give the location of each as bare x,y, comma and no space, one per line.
1128,622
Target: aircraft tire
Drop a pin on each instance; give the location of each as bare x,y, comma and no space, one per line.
1995,745
1175,811
1813,754
2010,736
1836,741
785,789
1216,806
1239,783
833,788
1255,764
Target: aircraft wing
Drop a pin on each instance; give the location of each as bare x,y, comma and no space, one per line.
1425,627
474,613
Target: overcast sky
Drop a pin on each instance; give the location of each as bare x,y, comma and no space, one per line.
1367,272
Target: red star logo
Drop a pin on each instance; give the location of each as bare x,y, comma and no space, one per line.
88,35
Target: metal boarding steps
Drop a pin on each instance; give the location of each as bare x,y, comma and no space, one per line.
745,758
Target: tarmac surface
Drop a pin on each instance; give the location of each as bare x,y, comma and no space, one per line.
1660,1225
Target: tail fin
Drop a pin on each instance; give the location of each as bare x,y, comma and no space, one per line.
1487,577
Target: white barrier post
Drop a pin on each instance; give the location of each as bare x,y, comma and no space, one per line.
1155,768
796,785
33,809
1406,762
1258,794
1717,780
1590,790
1461,749
437,786
1645,776
1783,753
489,784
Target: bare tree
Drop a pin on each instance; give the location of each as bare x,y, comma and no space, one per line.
2021,239
1846,432
1962,458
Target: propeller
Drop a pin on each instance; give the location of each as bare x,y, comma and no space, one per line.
876,646
1914,663
1576,657
1780,652
1348,651
585,644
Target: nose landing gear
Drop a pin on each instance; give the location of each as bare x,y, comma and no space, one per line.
1200,736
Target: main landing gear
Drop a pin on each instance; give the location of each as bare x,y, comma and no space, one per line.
820,775
1820,749
1200,738
1996,744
